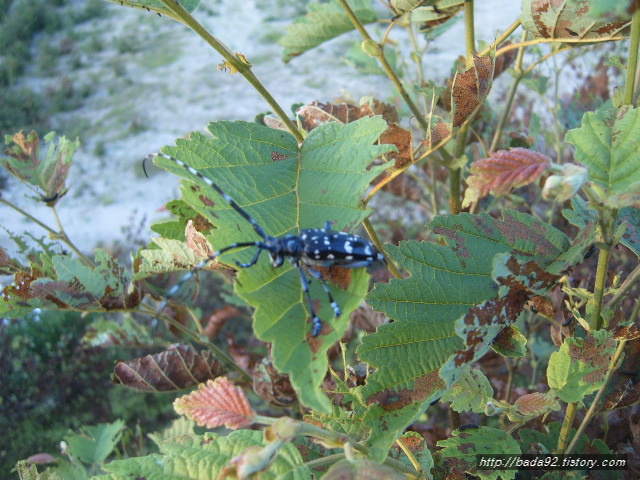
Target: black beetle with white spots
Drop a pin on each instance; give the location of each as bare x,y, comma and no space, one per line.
314,247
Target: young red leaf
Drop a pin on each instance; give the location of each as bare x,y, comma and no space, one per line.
504,171
536,403
216,403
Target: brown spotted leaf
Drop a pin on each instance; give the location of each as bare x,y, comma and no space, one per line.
624,388
446,283
569,19
176,368
504,171
580,367
470,89
215,404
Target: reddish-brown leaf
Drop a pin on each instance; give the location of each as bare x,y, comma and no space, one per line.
504,171
216,403
176,368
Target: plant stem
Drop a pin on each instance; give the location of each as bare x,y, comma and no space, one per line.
592,409
385,66
455,174
598,291
569,416
510,96
366,223
409,454
469,30
61,235
632,65
624,288
244,68
539,41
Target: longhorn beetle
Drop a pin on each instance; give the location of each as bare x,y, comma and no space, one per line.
313,247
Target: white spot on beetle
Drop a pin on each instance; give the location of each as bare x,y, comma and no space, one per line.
331,256
349,257
348,247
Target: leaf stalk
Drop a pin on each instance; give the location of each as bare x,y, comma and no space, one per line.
632,65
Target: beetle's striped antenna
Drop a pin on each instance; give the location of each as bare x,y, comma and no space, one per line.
213,185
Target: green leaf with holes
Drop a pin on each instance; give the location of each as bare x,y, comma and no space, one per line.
195,457
446,283
471,392
157,5
607,143
323,22
94,443
285,188
61,282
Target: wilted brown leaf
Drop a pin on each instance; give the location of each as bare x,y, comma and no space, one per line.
197,241
218,318
403,140
504,171
470,89
216,403
176,368
318,113
273,386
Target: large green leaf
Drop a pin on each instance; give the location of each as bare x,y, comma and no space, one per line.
197,457
446,282
323,22
285,188
607,143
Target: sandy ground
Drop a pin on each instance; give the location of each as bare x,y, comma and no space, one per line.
154,81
